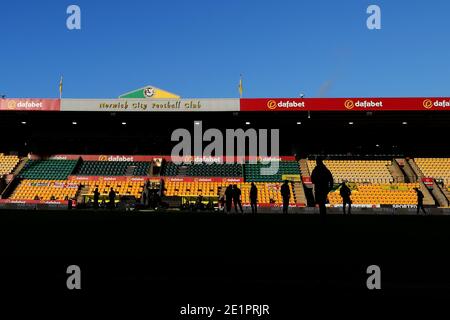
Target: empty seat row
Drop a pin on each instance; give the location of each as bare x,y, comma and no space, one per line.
254,172
113,168
45,189
202,169
48,169
361,171
374,194
267,192
8,163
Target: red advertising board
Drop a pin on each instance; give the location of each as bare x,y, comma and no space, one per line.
306,180
229,159
111,178
428,182
205,179
345,104
133,158
50,202
30,104
276,205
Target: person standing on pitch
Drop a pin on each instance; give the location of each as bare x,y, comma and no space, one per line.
96,198
420,197
112,198
323,183
254,198
345,194
228,197
286,195
237,198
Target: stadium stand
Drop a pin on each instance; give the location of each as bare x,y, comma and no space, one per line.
360,171
252,172
171,169
48,169
44,189
267,192
131,188
437,168
372,194
7,164
113,168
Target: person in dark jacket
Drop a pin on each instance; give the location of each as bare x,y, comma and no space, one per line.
420,197
112,198
286,195
237,198
96,198
345,194
254,198
323,183
228,197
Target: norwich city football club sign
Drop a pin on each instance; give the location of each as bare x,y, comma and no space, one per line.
149,92
150,105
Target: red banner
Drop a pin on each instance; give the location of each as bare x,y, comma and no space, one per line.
345,104
428,182
306,180
50,202
205,179
111,178
90,157
276,205
229,159
30,104
133,158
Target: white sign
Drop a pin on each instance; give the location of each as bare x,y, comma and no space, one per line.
145,105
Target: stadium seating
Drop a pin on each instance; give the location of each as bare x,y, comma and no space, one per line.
44,189
171,169
267,192
360,171
437,168
113,168
253,171
131,188
7,164
389,194
48,169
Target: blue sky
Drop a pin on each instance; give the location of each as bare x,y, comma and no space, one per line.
198,48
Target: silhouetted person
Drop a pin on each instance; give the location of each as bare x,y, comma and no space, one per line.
420,197
228,197
96,198
52,198
237,198
36,197
112,198
144,198
345,194
254,198
323,183
199,202
286,195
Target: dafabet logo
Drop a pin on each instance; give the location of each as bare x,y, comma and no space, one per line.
349,104
285,104
12,104
427,104
272,104
363,104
